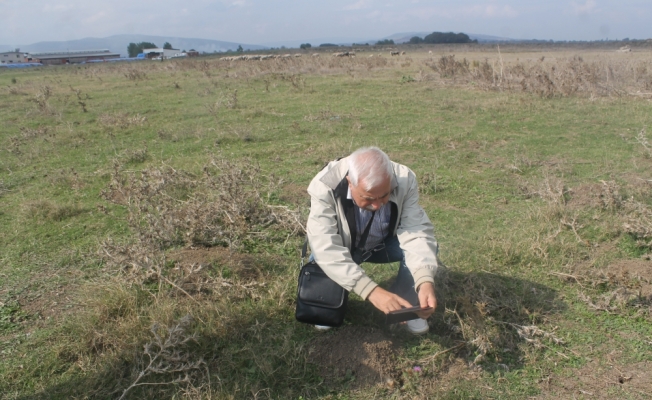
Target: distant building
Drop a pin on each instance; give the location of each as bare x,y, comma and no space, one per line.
162,53
73,57
13,57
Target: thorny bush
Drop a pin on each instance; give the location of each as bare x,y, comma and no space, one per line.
227,205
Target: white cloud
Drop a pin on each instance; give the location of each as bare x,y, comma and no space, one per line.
57,7
95,17
239,3
490,11
358,5
586,8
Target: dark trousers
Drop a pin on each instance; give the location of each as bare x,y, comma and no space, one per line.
404,283
392,252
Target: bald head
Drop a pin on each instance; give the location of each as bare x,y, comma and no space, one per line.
371,167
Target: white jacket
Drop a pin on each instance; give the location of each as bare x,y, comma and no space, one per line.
329,231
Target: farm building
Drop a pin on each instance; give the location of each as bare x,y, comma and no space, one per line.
73,57
161,53
12,57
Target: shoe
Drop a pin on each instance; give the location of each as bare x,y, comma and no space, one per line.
418,326
322,328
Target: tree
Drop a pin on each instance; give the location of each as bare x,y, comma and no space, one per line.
136,48
449,37
240,49
167,46
305,46
384,42
415,40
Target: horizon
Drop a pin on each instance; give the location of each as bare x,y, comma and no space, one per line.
256,22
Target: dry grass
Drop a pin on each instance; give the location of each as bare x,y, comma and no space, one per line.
565,77
121,120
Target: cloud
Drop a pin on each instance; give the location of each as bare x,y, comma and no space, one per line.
57,7
358,5
239,3
96,17
491,11
586,8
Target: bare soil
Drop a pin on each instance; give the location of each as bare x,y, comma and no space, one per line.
357,356
605,379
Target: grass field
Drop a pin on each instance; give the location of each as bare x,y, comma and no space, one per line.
151,216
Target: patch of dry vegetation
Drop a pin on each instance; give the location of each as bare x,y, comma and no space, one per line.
568,77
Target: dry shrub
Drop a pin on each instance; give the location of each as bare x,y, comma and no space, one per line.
567,77
225,206
136,156
551,189
41,131
167,358
41,99
494,314
134,74
638,223
641,138
122,120
449,67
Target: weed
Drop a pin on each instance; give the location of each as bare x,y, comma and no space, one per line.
137,156
81,100
167,357
122,120
135,74
41,99
639,223
641,138
10,316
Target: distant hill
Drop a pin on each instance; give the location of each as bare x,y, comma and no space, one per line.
119,43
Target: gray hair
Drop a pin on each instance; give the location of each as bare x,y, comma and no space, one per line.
370,165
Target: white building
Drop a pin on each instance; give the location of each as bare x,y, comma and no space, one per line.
13,57
162,53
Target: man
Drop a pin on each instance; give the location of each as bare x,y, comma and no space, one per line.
345,196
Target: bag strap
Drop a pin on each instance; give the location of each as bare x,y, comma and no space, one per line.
363,238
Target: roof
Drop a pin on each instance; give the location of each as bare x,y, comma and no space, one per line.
72,54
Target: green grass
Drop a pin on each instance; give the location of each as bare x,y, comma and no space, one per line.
73,325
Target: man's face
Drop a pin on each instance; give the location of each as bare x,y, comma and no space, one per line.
373,199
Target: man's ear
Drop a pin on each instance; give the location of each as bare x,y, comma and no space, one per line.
348,180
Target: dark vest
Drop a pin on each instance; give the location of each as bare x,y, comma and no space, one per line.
349,210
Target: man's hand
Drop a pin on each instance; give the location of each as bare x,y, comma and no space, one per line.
386,301
426,299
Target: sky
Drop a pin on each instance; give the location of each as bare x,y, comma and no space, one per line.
23,22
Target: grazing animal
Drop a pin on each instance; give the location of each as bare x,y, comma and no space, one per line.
394,53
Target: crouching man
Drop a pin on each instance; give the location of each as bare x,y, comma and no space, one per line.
368,192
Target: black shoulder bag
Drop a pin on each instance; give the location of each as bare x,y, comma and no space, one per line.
320,300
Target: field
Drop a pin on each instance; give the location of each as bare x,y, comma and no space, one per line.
152,213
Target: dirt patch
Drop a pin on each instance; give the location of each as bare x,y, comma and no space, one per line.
633,274
357,356
586,195
599,380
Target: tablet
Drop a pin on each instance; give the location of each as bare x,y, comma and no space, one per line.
404,314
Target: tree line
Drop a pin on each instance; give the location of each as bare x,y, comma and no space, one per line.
136,48
441,37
